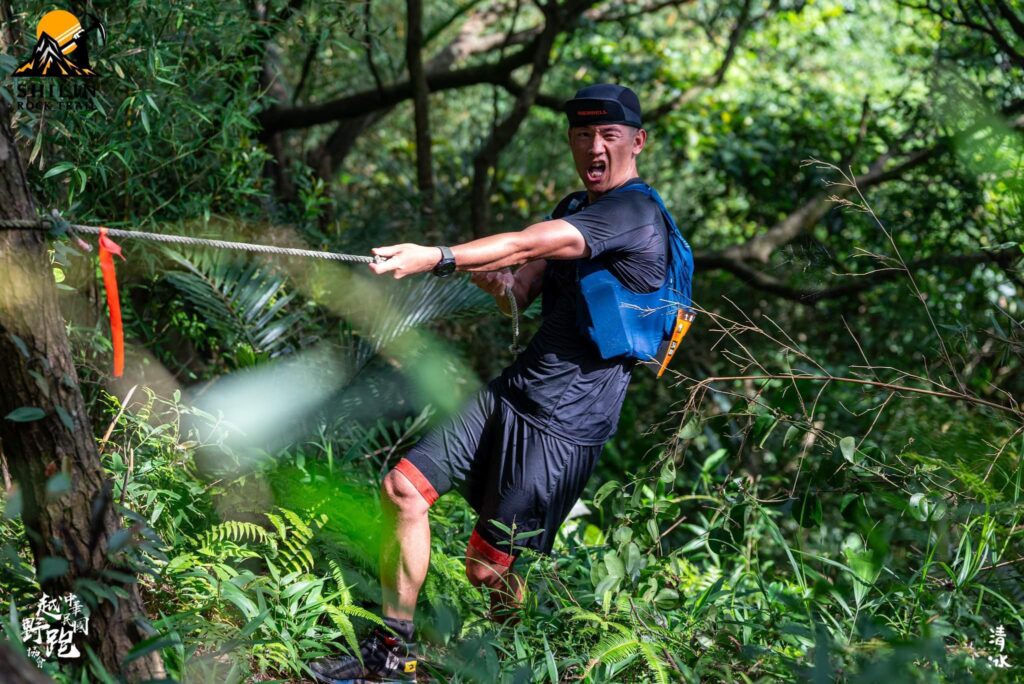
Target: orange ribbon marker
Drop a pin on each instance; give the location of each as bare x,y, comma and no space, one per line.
108,248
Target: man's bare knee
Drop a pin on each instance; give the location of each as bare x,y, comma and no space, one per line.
403,495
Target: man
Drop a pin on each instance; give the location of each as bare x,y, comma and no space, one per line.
522,449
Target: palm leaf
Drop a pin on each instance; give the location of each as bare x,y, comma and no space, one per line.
246,301
412,302
242,299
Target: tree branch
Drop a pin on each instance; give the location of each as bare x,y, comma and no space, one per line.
471,41
716,78
966,22
371,64
364,102
1011,17
327,157
307,63
355,113
273,87
540,99
646,8
689,95
503,132
1004,258
761,247
998,36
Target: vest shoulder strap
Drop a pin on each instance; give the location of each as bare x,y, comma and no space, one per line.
570,204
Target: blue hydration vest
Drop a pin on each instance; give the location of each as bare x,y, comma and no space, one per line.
642,326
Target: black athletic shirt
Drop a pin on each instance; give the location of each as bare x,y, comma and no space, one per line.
560,383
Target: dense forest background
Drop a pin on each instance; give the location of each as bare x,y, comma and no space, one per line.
827,484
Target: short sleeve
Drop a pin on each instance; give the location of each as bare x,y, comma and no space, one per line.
607,224
626,229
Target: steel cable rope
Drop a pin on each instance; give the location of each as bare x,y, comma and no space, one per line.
59,225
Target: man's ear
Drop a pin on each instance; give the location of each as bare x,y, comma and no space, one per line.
639,140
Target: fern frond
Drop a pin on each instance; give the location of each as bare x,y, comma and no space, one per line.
344,594
223,539
654,661
344,625
356,611
612,649
623,604
294,557
299,526
279,525
293,537
598,619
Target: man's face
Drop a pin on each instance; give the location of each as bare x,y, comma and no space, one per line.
605,154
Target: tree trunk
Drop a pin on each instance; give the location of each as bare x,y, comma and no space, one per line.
421,103
36,370
17,670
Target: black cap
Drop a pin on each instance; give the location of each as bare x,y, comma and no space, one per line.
604,103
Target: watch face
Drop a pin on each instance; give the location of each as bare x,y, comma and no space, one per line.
445,269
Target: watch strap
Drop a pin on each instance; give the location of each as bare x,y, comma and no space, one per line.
446,265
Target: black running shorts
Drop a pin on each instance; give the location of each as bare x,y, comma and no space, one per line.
507,469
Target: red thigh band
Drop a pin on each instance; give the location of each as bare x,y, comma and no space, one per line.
421,483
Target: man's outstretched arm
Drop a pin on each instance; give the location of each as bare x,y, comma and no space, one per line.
554,239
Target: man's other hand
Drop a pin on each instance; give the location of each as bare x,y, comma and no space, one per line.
405,259
494,283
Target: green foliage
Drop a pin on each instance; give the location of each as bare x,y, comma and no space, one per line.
241,300
741,530
286,614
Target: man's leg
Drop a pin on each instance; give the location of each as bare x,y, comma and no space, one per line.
405,547
491,568
532,485
455,448
445,458
404,556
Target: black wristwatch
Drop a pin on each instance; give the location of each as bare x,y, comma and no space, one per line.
446,266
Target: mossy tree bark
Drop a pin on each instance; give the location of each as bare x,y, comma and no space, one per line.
17,670
36,370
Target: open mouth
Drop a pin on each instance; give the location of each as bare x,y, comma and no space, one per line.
596,171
